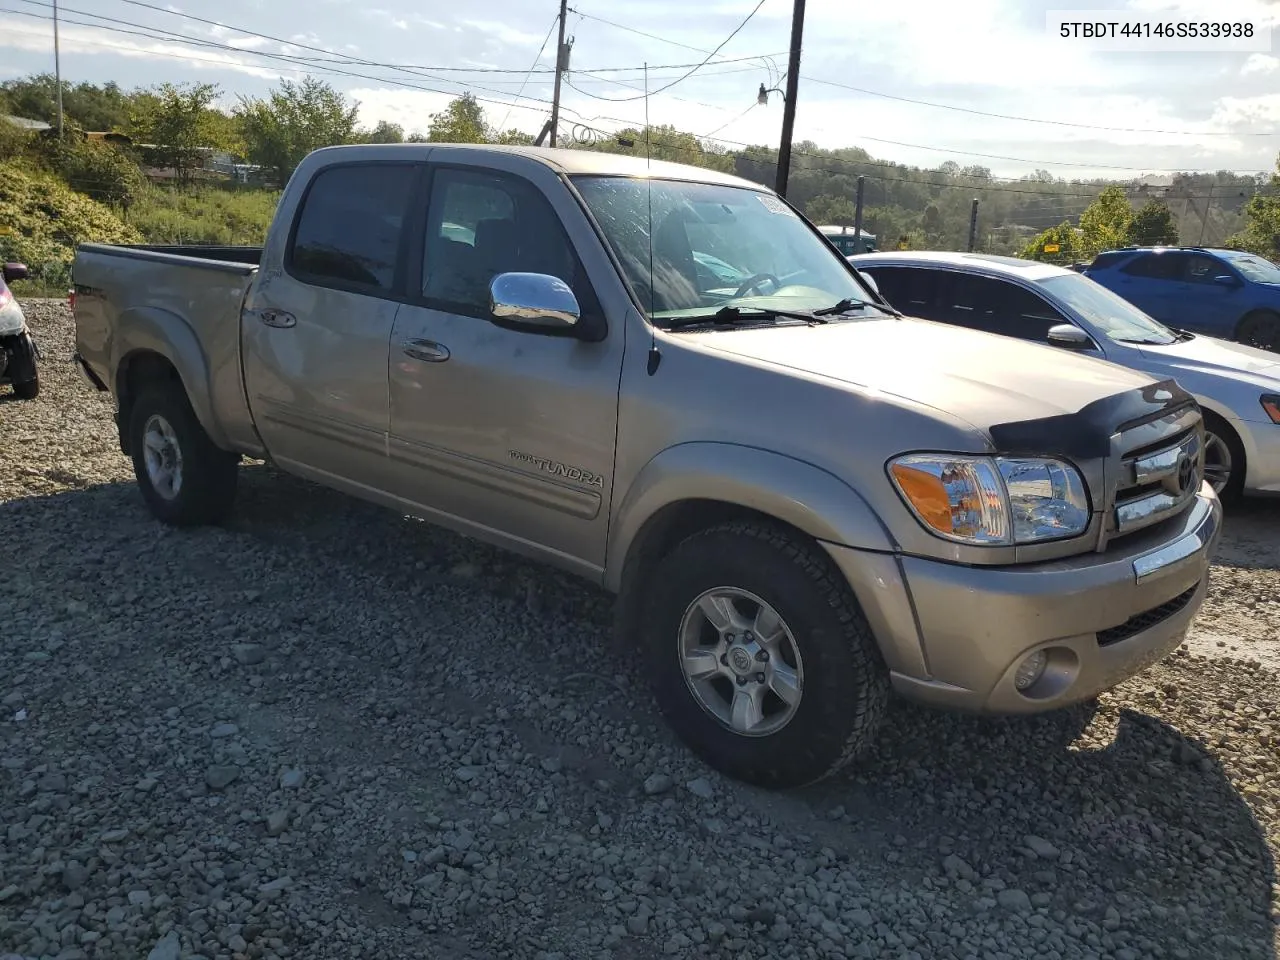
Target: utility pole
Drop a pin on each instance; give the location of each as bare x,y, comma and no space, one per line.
1204,221
560,65
857,216
57,66
789,106
973,223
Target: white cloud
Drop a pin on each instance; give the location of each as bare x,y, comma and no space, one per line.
1259,63
89,42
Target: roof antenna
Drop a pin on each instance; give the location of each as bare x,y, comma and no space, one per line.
655,357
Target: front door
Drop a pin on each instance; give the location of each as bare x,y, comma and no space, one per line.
316,333
510,432
1205,304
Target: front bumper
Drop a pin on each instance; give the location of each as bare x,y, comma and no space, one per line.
1262,457
954,636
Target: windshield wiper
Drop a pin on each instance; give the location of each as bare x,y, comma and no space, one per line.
737,316
848,304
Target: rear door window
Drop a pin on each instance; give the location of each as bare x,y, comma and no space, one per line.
1155,266
350,229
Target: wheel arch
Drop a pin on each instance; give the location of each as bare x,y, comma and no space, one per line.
696,485
159,346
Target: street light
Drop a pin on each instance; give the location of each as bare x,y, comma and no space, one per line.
762,98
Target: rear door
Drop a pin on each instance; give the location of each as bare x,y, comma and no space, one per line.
1150,282
911,290
316,333
1204,304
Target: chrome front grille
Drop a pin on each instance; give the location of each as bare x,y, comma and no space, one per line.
1159,471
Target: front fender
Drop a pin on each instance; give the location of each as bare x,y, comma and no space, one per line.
795,492
151,329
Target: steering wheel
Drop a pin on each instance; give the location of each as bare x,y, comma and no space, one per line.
751,283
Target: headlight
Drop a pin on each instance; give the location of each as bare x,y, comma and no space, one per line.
993,501
1271,404
11,319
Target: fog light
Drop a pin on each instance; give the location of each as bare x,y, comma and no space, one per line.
1030,670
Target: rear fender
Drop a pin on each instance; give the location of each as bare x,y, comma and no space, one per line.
798,493
151,330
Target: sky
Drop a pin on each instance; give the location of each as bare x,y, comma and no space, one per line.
911,81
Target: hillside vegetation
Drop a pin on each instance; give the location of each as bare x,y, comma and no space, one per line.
165,192
42,219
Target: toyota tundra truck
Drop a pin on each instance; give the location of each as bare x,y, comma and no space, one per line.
664,379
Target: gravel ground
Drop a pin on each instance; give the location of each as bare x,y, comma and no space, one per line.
325,731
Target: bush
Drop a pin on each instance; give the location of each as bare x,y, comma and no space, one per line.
43,220
15,142
217,215
103,172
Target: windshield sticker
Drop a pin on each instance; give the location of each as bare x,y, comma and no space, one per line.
772,204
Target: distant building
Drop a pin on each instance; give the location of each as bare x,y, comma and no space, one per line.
26,123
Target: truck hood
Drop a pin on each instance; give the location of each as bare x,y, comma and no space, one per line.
981,378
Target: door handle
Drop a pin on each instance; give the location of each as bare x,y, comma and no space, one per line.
427,350
277,318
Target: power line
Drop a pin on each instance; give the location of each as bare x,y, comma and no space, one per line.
692,71
296,61
950,106
538,56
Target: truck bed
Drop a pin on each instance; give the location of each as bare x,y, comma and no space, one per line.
235,258
181,302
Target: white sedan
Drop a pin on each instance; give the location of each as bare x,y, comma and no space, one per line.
1238,387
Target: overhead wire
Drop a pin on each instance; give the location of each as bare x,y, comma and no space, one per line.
545,40
171,36
951,106
736,30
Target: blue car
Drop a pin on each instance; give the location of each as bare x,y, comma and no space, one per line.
1220,293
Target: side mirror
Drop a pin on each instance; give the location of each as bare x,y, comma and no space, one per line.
15,271
535,302
1069,337
1226,280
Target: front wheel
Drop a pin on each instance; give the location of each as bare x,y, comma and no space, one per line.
185,479
761,660
1224,465
26,378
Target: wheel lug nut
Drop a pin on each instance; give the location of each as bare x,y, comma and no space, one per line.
724,660
742,681
763,656
759,678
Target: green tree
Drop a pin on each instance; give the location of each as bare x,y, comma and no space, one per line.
294,120
1068,241
1153,224
384,132
1105,222
181,123
462,121
667,143
831,210
99,108
1261,232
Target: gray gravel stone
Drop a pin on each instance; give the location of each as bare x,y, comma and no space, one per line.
567,839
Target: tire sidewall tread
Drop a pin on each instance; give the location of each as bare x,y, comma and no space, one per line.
209,473
845,680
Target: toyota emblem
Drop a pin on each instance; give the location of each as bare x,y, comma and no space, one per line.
1186,474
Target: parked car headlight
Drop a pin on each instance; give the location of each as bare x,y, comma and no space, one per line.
11,319
993,501
1271,404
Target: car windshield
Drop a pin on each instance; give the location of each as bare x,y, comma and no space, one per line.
1108,312
1255,268
715,246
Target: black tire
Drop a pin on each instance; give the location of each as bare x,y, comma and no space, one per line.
209,473
1260,329
1234,490
845,688
28,389
26,379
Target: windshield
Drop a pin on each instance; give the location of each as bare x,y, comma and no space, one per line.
1109,313
1255,268
715,246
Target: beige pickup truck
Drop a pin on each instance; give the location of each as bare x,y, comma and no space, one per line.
667,381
